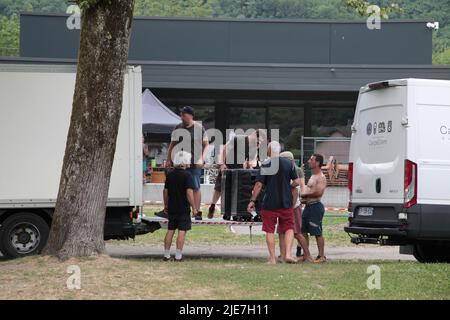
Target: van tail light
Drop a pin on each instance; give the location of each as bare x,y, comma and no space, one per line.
410,185
350,183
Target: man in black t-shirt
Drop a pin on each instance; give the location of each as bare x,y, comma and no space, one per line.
178,198
196,143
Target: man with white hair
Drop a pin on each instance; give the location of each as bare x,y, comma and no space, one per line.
178,197
296,201
277,204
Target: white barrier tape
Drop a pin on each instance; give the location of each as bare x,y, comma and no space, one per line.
332,209
207,222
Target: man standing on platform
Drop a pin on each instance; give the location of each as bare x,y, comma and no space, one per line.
190,136
231,157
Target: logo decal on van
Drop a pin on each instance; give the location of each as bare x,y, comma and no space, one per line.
379,127
382,127
445,132
389,125
369,128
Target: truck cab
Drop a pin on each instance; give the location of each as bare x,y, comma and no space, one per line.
400,167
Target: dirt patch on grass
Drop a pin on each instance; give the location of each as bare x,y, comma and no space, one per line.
101,278
212,278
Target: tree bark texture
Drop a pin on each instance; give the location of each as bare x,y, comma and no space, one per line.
78,222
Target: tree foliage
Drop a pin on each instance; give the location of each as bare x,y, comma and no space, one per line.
442,57
9,35
362,8
187,8
86,4
280,9
14,7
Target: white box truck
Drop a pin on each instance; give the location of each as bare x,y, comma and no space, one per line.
35,109
399,172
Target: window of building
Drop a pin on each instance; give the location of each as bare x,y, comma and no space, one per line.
332,122
246,118
290,123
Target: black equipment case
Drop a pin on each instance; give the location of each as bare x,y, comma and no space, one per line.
237,186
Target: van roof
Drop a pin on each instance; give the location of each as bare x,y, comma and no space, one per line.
404,82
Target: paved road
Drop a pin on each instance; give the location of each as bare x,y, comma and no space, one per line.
244,252
256,252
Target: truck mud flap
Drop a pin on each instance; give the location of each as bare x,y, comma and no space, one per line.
146,227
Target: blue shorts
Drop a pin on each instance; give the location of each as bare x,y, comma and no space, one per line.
196,173
312,219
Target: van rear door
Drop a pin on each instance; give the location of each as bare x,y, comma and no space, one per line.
378,146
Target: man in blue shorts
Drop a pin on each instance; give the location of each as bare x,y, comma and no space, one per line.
196,144
314,211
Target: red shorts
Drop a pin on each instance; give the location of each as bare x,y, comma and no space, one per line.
284,218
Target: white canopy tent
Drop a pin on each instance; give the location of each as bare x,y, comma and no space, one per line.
157,118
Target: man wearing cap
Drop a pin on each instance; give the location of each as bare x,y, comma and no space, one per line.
193,139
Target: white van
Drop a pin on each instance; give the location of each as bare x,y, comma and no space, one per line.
399,172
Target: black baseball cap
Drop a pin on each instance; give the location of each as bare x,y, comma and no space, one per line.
187,109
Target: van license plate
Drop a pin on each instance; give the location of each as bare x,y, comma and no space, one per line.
365,211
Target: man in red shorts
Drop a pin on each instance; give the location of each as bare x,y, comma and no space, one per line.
276,206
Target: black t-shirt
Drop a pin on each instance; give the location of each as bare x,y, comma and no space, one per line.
277,187
197,135
177,182
236,158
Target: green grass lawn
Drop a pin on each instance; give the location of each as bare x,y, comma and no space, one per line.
213,234
221,278
335,280
111,278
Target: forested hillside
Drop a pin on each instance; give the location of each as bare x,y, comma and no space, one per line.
436,10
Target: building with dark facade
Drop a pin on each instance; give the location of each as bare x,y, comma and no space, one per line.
301,76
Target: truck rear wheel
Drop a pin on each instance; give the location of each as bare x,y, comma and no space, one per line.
432,253
23,234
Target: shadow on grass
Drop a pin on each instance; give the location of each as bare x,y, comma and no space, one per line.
190,257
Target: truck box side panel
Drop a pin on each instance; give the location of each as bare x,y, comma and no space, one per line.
34,120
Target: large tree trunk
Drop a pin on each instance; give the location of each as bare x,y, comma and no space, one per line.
78,222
